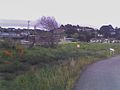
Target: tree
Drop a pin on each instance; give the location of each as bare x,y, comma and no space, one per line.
82,37
47,23
75,36
106,30
70,30
51,25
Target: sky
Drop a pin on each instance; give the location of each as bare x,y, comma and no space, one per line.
93,13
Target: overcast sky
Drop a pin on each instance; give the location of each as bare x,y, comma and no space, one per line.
82,12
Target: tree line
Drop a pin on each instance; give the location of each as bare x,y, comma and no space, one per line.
81,33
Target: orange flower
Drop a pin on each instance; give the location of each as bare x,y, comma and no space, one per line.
7,53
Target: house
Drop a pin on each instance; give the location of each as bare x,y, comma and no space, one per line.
104,40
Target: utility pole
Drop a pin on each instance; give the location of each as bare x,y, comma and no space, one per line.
28,24
35,27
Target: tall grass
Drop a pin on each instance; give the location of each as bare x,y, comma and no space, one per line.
58,68
59,77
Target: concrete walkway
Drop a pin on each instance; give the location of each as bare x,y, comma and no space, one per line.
103,75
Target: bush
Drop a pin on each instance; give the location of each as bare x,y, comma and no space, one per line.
7,44
13,67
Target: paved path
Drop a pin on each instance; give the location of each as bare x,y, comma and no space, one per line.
103,75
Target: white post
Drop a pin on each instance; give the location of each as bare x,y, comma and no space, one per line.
112,51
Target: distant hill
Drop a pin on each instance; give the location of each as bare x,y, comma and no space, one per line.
16,23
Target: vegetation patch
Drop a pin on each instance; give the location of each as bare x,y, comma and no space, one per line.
42,68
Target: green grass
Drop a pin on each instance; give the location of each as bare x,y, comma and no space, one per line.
52,68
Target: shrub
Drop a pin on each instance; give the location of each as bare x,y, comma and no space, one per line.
20,50
7,44
13,67
7,53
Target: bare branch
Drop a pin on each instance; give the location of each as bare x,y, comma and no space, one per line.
48,23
